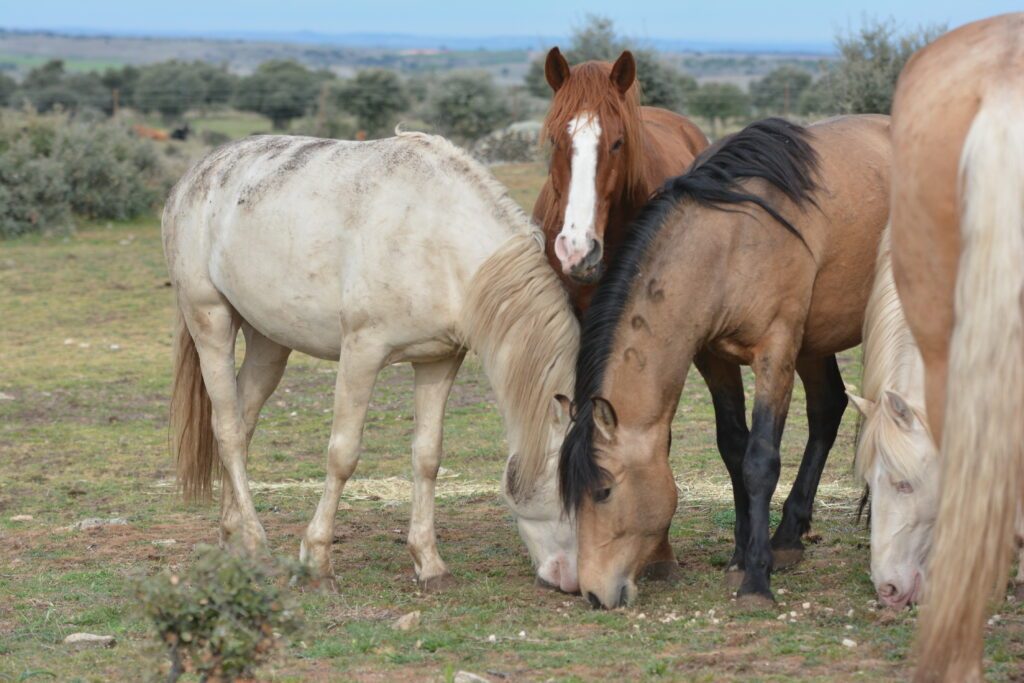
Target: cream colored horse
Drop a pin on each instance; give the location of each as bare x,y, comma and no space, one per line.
896,455
398,250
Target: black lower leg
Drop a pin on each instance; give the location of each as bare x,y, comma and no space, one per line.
826,402
761,465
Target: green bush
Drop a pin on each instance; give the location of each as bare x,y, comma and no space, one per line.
224,615
54,166
466,106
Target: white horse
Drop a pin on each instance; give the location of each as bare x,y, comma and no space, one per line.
372,253
896,454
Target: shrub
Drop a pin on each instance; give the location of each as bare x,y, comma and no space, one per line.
224,615
281,90
375,97
781,90
467,106
33,192
517,142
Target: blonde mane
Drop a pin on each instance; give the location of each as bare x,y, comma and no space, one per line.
518,319
889,358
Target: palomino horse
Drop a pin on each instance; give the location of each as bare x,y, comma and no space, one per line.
762,254
608,157
398,250
958,250
896,456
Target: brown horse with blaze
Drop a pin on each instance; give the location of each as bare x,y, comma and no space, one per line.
958,262
609,155
763,254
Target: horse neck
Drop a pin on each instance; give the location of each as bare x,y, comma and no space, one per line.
891,357
518,320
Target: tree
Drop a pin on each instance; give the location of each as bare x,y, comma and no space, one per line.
718,101
7,87
780,90
122,80
374,97
466,105
280,90
171,88
662,85
870,61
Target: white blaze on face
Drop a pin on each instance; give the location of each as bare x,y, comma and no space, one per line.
573,243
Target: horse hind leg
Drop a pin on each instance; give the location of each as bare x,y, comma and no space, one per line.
214,326
1018,581
359,363
261,372
433,384
826,402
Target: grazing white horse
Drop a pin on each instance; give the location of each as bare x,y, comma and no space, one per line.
368,253
896,454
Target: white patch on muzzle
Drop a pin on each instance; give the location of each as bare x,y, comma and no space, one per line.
577,236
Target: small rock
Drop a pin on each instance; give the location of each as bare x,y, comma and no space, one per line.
467,677
492,638
22,518
849,627
84,345
165,541
5,397
849,643
849,612
96,522
115,347
90,640
407,622
781,591
782,617
806,605
69,341
793,614
522,634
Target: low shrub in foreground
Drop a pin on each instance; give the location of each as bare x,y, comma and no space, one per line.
224,615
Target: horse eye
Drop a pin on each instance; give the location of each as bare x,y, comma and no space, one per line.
904,487
602,495
617,145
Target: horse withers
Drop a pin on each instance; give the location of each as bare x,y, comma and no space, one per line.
397,250
762,254
608,156
958,250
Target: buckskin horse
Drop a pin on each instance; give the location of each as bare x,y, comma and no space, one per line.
958,262
762,254
368,253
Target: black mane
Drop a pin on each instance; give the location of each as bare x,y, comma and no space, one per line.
774,150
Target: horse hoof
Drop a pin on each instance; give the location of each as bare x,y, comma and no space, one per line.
734,578
751,602
786,557
666,570
437,584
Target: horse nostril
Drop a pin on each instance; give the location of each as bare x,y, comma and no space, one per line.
594,602
887,590
622,597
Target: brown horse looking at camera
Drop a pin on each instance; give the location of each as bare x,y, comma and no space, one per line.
958,261
762,254
608,157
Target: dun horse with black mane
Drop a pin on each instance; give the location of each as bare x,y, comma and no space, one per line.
763,255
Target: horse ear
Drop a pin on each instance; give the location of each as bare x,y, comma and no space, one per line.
624,71
863,405
604,418
562,408
896,407
556,69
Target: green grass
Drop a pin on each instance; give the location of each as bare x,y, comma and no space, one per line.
85,436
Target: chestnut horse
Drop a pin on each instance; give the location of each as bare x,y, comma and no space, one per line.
608,157
958,261
762,254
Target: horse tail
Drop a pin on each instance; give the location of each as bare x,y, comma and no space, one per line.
983,436
192,441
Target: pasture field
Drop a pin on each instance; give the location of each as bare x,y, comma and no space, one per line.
85,332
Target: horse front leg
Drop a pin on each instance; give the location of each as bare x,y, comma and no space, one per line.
826,402
725,383
433,384
773,372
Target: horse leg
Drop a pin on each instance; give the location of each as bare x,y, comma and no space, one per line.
358,366
773,372
826,402
258,377
433,383
214,328
726,386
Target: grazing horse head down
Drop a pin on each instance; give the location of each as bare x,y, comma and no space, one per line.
595,130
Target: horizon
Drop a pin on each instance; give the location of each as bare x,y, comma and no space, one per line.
529,23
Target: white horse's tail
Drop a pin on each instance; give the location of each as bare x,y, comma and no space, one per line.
192,440
983,433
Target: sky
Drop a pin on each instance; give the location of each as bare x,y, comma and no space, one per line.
760,21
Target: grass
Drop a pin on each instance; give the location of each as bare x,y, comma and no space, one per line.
85,358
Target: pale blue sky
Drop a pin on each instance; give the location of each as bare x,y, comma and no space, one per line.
764,21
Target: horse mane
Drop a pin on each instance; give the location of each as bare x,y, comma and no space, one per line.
773,150
518,319
589,88
889,357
